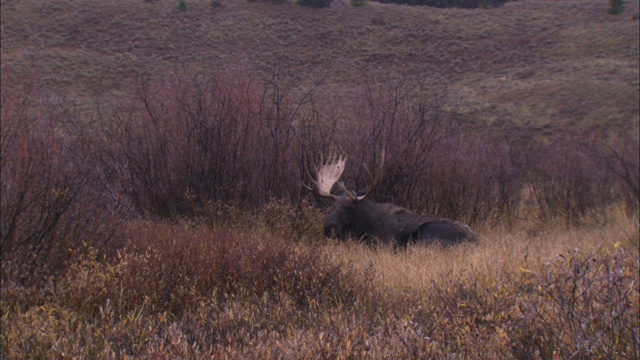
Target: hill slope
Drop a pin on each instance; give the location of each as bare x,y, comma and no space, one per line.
532,62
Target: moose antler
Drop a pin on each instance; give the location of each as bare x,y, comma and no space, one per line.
328,174
374,181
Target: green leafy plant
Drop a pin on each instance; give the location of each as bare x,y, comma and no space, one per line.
182,6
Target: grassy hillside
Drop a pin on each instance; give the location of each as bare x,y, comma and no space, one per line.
152,168
529,62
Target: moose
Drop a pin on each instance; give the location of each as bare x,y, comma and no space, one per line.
354,214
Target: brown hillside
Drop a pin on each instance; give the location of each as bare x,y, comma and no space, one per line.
533,62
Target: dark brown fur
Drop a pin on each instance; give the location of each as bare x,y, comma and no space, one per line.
385,222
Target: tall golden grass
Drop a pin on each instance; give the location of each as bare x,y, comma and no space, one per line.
246,289
501,252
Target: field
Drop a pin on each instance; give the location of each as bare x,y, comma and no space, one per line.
153,163
530,62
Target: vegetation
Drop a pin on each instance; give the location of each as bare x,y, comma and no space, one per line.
547,70
167,218
464,4
231,270
191,293
616,6
315,3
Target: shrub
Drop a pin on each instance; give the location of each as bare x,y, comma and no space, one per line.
465,4
53,198
200,138
583,305
569,178
173,268
301,222
432,165
182,6
315,3
197,139
193,140
616,7
622,158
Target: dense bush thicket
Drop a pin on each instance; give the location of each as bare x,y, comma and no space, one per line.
181,144
197,139
54,196
175,148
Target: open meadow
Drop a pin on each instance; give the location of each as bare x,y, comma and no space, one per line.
154,163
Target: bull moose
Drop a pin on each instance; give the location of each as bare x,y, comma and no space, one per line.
359,216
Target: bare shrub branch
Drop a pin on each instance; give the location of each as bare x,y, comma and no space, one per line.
49,204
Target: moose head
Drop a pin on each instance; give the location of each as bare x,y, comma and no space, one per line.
356,215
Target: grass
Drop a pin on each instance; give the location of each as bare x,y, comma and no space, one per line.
496,64
502,252
183,290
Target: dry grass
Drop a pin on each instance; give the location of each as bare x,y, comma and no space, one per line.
501,253
529,62
187,291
